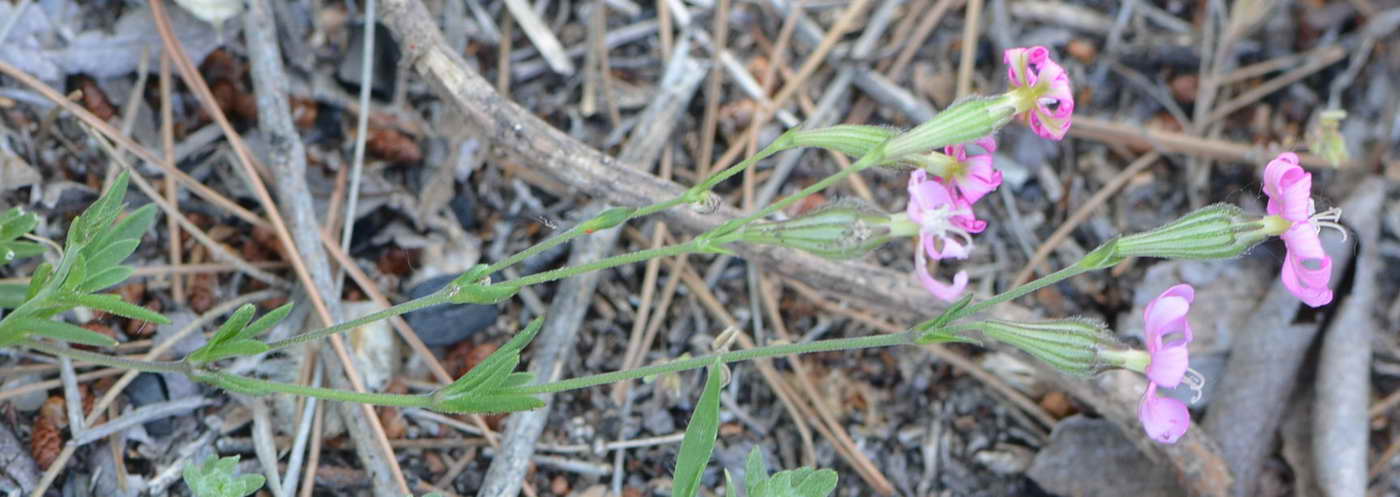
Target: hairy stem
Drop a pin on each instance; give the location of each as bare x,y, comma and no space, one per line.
617,260
412,305
726,357
107,360
254,386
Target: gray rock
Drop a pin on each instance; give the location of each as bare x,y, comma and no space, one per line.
149,388
1090,458
449,323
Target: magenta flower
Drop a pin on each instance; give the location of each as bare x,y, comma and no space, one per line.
1307,270
945,224
1037,91
1167,331
973,176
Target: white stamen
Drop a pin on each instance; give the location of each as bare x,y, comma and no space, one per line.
1329,219
1196,382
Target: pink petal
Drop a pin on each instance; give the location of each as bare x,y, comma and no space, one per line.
1289,188
1164,419
987,143
981,178
1019,62
943,291
1307,269
952,249
1167,314
1168,365
958,151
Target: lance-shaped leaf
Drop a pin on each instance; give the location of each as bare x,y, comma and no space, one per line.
114,305
63,331
15,250
14,223
11,295
490,386
235,337
699,440
92,223
131,227
105,278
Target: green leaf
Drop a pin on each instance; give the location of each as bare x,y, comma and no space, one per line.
101,213
819,483
63,331
755,471
219,478
15,223
11,295
105,279
266,322
699,441
234,348
487,388
38,280
234,324
800,482
115,305
10,251
77,273
112,254
132,227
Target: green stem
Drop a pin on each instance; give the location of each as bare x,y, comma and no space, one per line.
107,360
874,157
254,386
782,143
727,357
617,260
412,305
1017,292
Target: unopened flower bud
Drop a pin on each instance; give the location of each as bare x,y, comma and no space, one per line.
1213,232
1075,346
842,229
1326,139
964,121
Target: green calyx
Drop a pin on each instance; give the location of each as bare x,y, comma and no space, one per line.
842,229
1073,345
1213,232
964,121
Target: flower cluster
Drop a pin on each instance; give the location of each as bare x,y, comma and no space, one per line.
942,205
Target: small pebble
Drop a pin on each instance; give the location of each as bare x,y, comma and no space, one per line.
447,324
146,389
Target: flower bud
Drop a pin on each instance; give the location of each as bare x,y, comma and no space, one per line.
964,121
1212,232
1326,138
1074,345
607,219
842,229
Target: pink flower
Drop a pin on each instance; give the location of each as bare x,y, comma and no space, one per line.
973,176
945,224
1167,331
1307,270
1047,85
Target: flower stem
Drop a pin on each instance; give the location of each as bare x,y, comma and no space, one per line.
107,360
617,260
1014,293
727,357
873,157
412,305
254,386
